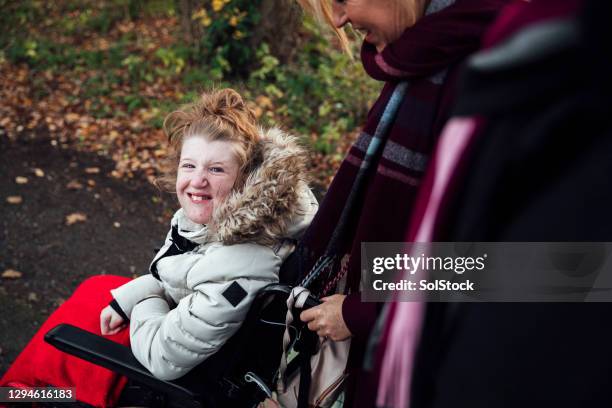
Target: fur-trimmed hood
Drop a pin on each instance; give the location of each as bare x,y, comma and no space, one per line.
274,203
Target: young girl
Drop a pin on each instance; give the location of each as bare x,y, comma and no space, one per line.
242,193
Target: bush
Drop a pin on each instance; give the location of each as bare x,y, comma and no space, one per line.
225,46
321,92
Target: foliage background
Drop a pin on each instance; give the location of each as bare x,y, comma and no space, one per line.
100,76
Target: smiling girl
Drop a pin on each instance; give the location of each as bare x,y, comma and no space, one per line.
241,192
243,198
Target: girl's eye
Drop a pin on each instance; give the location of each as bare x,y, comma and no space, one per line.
216,170
187,166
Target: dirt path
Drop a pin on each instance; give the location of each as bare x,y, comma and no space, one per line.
125,222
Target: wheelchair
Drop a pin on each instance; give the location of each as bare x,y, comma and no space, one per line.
241,374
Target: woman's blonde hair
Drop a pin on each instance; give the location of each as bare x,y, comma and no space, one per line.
408,10
322,11
218,115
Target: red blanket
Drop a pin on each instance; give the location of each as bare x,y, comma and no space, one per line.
40,364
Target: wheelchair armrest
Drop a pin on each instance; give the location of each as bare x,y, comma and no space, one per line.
116,357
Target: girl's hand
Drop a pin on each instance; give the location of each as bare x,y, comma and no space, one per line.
110,321
326,319
268,403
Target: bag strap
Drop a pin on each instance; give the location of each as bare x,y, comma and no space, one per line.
375,147
305,380
296,299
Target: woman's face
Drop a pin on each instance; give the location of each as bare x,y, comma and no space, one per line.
206,174
381,21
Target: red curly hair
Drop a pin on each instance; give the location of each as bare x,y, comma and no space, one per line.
218,115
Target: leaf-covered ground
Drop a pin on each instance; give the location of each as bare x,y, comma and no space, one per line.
67,220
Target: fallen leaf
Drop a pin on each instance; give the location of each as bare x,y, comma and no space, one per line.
264,101
39,173
116,224
92,170
33,297
21,180
11,274
14,199
75,217
258,111
74,185
91,183
71,117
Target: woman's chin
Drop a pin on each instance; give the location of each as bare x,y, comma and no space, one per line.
378,44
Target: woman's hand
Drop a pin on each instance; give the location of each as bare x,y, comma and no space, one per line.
110,321
326,319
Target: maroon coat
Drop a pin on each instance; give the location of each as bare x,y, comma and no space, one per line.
426,55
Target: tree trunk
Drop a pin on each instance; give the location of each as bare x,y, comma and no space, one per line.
279,23
185,9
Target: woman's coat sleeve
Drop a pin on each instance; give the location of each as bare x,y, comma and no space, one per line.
225,281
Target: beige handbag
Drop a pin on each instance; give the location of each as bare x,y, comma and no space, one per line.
327,365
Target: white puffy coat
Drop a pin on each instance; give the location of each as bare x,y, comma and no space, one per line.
204,279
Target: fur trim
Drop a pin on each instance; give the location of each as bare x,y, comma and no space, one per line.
263,209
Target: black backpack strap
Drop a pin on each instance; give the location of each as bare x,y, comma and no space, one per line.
307,347
305,380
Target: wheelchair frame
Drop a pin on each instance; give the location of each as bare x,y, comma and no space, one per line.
241,374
